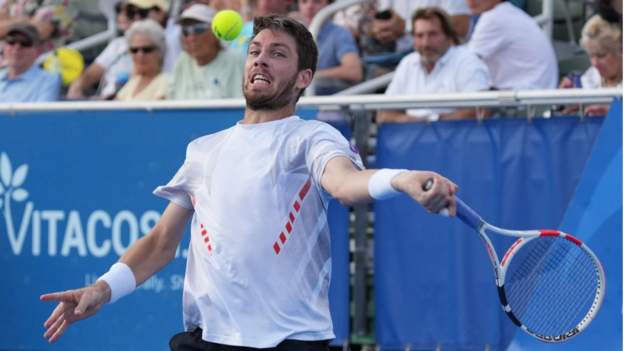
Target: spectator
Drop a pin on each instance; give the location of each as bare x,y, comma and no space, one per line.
259,8
122,19
146,42
112,66
339,64
158,10
457,10
438,65
603,43
517,53
205,70
384,37
22,80
53,19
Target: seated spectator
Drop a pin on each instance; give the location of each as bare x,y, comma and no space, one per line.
53,19
22,80
259,8
204,70
514,48
158,10
111,68
439,65
146,42
339,64
603,43
383,30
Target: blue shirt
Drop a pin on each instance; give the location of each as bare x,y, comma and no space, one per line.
34,85
333,42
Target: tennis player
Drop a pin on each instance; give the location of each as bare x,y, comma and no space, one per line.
259,259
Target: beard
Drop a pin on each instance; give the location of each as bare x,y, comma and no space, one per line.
282,97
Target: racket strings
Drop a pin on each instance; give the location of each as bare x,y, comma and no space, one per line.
550,285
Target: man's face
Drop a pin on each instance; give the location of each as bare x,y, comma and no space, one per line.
20,52
272,79
479,6
429,40
198,40
608,64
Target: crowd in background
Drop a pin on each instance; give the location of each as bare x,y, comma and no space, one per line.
433,46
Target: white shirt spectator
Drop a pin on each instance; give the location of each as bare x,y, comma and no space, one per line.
116,61
516,51
458,70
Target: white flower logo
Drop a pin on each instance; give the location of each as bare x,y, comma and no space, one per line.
10,183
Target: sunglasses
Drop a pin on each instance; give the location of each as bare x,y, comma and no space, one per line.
143,49
195,29
133,11
25,43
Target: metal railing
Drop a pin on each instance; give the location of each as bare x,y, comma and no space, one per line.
355,102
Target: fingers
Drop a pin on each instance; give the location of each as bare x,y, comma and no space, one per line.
53,327
58,311
566,83
58,296
57,326
440,196
60,331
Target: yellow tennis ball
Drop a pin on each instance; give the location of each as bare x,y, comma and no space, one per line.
227,25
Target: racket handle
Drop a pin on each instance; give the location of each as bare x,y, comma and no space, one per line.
464,212
467,214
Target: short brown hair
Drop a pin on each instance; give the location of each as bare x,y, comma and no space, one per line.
307,51
429,13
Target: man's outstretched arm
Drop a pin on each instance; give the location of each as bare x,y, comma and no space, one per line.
144,258
350,185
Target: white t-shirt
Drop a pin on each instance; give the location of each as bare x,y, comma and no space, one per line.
458,70
591,79
259,262
116,61
516,51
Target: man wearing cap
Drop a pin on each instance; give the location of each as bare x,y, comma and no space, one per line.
22,80
205,70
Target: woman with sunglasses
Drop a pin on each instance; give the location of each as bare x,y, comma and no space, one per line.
146,44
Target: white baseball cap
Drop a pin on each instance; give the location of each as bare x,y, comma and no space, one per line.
146,4
198,12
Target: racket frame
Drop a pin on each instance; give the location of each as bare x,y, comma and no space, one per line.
472,219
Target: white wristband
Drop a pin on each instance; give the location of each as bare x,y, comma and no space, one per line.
120,279
380,184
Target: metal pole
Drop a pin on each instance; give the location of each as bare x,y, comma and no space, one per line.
360,255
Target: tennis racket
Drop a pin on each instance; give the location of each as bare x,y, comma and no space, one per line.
550,284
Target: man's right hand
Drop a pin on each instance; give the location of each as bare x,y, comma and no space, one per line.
74,305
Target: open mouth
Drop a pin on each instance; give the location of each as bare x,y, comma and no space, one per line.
260,80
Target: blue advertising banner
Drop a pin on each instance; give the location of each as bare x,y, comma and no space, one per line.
434,284
595,216
76,192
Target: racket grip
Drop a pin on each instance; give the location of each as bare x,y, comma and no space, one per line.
467,214
464,212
